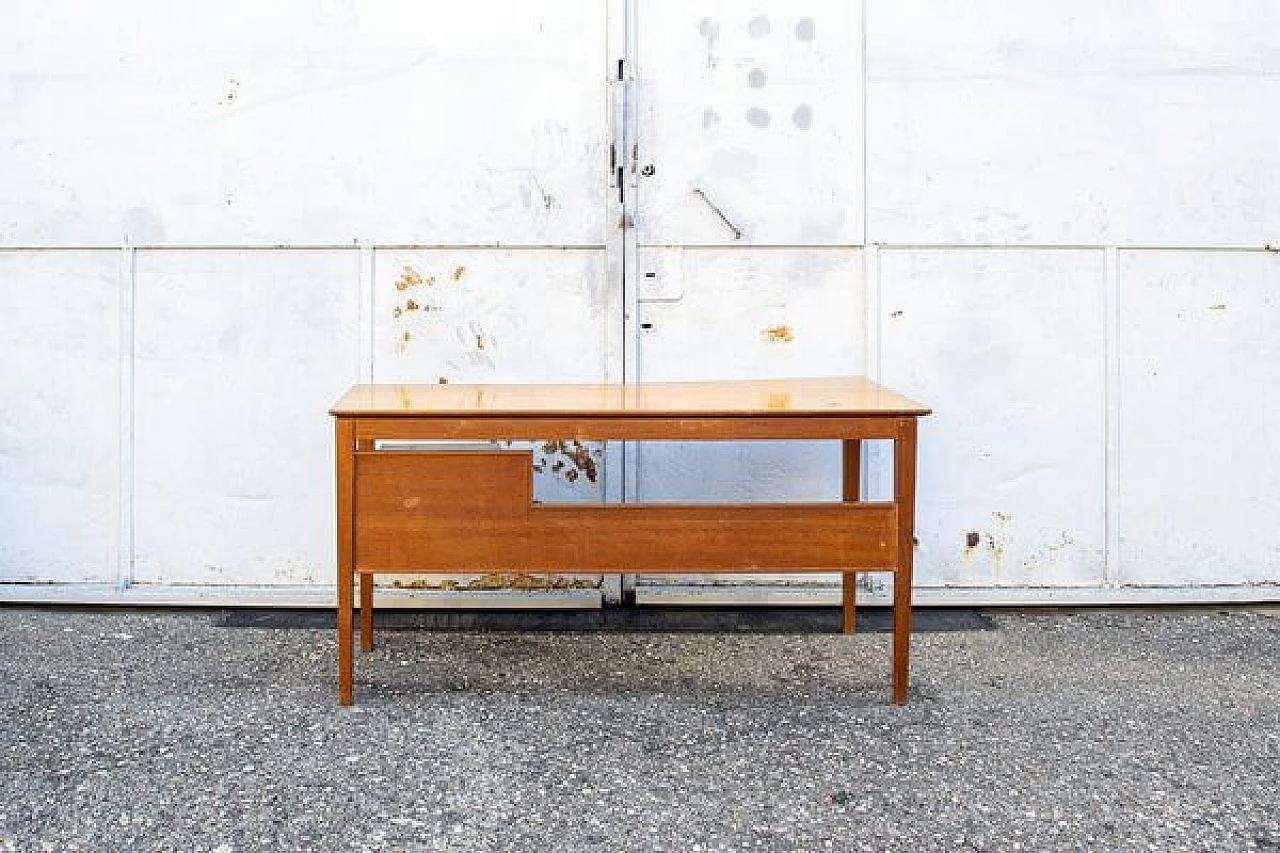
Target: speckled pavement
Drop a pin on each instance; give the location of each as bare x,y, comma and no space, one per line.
1092,731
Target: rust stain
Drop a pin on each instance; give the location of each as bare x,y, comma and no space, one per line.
411,306
406,337
998,541
779,334
458,272
972,538
409,278
479,341
502,580
443,380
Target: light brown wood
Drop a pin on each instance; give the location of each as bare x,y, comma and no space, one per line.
774,397
465,511
852,493
904,496
472,510
366,612
460,511
344,444
624,428
676,538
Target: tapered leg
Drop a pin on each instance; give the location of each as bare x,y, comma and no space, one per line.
852,493
344,451
904,496
366,611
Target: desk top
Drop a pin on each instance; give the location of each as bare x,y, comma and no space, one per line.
830,396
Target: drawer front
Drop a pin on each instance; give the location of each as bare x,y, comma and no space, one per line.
442,511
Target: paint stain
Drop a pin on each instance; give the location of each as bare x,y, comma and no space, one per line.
779,334
1218,306
758,26
410,503
1048,555
756,78
805,29
998,542
758,116
802,116
458,273
710,118
502,580
409,278
895,314
397,312
574,461
232,95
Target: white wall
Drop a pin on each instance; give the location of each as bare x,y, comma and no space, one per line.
1052,223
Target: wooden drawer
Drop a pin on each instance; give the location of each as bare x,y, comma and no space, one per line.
442,511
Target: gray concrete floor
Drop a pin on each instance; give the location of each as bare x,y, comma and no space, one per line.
1093,731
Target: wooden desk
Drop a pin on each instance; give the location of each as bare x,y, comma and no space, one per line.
472,509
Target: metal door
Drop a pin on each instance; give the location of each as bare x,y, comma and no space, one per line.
747,238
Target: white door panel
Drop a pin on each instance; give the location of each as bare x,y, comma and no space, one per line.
239,356
1091,122
751,118
244,122
729,313
1007,347
1199,472
60,416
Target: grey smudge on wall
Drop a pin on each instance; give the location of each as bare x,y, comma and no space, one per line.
802,117
709,117
758,26
710,30
757,78
143,226
758,116
804,29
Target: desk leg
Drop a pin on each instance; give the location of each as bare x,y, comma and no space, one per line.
904,495
344,452
366,611
852,493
